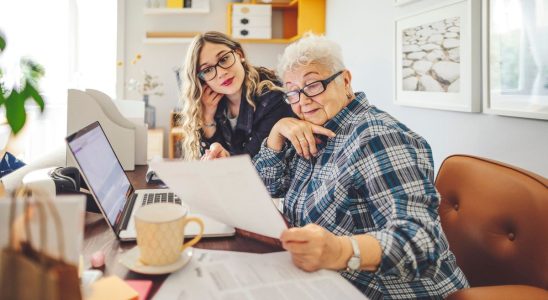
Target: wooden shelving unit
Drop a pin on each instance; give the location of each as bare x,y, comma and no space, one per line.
199,7
174,137
156,37
298,17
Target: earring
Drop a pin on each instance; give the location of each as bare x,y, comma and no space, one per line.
243,59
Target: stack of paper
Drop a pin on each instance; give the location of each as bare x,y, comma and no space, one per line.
236,275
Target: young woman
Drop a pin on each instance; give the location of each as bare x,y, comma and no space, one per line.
226,99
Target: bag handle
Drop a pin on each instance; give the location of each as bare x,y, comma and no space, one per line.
58,227
39,202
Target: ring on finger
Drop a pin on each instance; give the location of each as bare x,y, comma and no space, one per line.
302,139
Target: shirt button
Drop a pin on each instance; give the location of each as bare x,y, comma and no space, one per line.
250,139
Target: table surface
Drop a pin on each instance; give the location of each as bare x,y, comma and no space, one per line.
98,237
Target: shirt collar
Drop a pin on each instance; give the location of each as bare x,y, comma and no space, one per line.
345,115
245,114
357,105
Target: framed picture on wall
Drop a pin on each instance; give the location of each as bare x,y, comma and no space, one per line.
515,57
437,57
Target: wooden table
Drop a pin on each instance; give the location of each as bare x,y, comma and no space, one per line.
98,236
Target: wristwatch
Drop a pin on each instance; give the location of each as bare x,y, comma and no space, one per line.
355,261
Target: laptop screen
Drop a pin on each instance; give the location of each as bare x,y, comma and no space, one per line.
101,168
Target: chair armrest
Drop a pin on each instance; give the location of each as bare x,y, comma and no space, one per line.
507,292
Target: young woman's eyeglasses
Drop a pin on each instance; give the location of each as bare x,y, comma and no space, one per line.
226,61
310,90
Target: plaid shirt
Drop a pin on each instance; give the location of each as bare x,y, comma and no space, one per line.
376,177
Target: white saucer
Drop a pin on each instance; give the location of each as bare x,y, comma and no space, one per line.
130,259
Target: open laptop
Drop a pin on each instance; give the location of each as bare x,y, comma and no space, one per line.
115,196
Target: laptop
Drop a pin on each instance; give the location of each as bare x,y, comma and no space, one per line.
117,199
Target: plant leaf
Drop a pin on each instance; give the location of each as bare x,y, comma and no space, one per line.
2,99
30,91
2,42
15,111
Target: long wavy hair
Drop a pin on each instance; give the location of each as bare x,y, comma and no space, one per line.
190,117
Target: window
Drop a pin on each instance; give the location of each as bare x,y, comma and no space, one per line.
75,41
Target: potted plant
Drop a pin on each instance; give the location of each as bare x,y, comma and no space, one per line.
14,98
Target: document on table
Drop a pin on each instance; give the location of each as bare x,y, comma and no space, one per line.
228,190
229,275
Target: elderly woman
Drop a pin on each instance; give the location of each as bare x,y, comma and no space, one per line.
358,184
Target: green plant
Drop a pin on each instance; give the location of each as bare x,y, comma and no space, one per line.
14,99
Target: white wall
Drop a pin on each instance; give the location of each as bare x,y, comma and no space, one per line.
365,30
161,59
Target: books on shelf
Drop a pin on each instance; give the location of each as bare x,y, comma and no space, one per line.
174,3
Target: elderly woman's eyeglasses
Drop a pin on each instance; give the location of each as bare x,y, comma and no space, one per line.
310,90
226,61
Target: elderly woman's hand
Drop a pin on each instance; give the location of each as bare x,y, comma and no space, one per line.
299,133
215,151
312,248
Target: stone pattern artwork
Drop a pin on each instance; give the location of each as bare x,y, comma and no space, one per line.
431,57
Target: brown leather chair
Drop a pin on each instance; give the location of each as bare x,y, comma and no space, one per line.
495,217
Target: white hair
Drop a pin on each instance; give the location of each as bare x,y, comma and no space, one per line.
311,49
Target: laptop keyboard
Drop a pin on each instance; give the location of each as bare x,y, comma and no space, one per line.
150,198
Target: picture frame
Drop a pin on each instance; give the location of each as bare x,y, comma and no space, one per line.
438,57
403,2
515,59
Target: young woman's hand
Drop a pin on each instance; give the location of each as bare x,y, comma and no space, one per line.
210,101
299,133
215,151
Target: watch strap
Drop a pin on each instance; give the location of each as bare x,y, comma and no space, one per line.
355,260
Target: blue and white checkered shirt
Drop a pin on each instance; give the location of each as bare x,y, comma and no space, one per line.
376,177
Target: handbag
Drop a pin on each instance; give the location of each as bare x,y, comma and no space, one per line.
29,273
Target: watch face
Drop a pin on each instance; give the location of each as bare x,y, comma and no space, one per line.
354,263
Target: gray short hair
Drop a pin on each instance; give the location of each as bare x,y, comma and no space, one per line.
311,49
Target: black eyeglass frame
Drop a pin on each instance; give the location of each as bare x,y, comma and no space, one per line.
324,83
218,64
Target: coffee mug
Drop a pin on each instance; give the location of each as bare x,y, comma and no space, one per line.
160,232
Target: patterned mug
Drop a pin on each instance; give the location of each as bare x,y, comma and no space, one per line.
160,232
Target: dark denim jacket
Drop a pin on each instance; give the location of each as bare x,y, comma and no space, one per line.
252,127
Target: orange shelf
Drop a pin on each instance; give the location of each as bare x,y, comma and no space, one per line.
299,16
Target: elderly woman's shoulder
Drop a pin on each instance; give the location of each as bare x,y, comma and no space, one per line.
376,122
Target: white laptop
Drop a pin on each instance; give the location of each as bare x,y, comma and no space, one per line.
114,194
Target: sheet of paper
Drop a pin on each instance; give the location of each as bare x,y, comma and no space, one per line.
232,275
228,190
